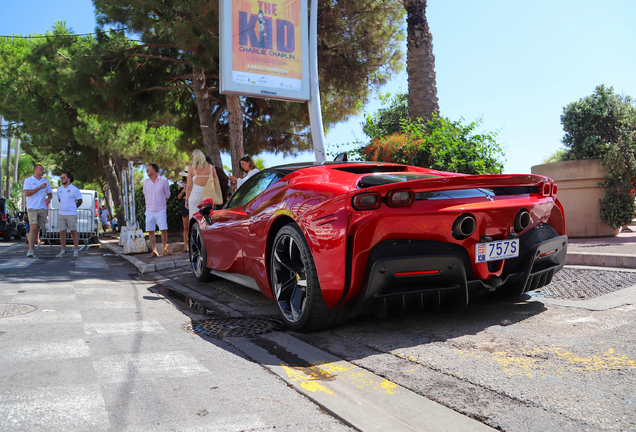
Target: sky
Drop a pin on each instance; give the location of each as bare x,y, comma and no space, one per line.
513,64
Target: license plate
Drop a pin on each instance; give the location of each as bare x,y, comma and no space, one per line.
496,250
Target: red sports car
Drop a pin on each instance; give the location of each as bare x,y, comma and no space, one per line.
331,240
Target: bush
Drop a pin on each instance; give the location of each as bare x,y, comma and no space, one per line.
603,126
175,222
440,144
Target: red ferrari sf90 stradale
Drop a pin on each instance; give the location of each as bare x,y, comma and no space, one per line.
332,240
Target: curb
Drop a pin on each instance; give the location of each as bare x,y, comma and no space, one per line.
626,261
143,267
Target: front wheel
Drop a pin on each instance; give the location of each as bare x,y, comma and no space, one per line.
198,255
295,284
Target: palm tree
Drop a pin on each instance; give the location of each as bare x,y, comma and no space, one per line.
420,65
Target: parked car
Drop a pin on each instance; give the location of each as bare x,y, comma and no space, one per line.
10,222
87,215
329,241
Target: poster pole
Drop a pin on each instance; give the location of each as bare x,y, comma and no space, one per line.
315,113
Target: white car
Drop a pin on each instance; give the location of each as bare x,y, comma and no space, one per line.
87,216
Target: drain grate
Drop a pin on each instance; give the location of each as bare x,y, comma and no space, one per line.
235,327
13,309
582,284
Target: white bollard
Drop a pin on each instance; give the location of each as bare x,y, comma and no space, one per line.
122,235
134,241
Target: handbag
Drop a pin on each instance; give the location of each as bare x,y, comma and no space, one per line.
212,190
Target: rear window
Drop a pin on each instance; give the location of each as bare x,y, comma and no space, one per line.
385,179
1,206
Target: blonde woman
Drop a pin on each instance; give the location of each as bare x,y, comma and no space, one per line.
198,175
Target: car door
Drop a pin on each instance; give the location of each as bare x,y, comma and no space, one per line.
228,228
12,217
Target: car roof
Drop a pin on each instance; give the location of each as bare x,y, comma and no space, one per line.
289,168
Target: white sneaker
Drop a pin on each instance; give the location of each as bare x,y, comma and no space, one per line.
75,253
30,254
61,254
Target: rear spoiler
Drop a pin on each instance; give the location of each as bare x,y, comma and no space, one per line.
466,182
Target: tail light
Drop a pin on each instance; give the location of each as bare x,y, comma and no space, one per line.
96,209
545,189
554,189
4,217
367,201
400,198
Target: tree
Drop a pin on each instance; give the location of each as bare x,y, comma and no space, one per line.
603,125
358,52
35,75
437,143
420,62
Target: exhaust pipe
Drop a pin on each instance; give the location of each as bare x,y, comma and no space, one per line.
522,220
464,226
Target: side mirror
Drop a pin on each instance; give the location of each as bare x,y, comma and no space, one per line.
342,157
205,209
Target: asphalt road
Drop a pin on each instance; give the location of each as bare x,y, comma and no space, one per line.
85,346
531,364
107,349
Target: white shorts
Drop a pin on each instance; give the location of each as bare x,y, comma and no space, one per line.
156,219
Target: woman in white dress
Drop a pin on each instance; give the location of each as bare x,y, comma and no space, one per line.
198,175
247,165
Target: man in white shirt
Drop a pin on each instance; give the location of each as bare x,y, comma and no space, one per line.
70,199
38,194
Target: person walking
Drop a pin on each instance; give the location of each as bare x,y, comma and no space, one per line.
185,213
70,199
198,175
247,165
105,218
157,191
38,194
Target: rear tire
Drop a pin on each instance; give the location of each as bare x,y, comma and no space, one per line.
6,235
198,255
295,284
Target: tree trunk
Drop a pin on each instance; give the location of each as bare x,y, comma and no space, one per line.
16,160
7,190
235,117
108,197
420,65
113,184
206,116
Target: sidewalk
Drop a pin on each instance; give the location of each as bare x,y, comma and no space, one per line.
143,261
615,252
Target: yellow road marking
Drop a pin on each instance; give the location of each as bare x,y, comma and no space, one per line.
350,374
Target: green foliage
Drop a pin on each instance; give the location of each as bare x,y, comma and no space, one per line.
387,121
175,223
438,143
603,126
558,156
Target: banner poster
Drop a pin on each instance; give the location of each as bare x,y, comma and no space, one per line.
269,55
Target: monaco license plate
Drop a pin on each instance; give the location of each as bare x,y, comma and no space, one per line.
496,250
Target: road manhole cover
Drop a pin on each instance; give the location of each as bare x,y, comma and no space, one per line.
235,327
13,309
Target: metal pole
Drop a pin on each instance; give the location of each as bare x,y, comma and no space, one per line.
132,193
315,113
7,189
16,160
1,143
125,187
